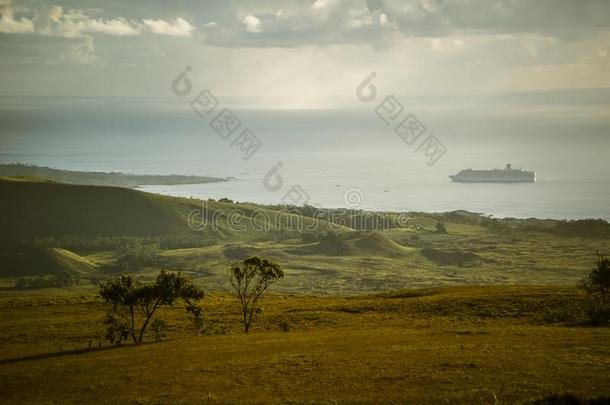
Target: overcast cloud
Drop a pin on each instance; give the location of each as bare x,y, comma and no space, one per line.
303,53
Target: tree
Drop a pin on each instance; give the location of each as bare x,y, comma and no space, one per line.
440,227
250,280
133,299
134,254
597,285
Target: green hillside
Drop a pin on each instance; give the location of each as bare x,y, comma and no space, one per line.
39,209
356,244
34,208
50,261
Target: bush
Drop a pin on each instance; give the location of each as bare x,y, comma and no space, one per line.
117,329
440,227
158,327
61,280
597,285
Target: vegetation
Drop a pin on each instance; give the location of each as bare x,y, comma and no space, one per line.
61,280
597,285
100,178
135,255
440,227
38,210
116,243
128,297
592,228
475,344
518,340
250,280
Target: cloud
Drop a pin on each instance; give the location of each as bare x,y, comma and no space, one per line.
80,28
371,21
81,53
10,25
74,23
251,23
177,28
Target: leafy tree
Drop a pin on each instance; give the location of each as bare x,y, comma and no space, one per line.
138,300
597,285
440,227
135,255
250,280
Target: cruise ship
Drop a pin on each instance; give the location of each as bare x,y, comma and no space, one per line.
506,175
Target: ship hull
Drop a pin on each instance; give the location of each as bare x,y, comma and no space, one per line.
507,175
492,180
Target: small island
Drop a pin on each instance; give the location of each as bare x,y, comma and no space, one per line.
115,179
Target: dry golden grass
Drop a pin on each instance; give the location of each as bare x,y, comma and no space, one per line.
463,344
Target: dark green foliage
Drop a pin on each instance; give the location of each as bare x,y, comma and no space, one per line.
117,329
250,280
130,298
237,252
135,255
158,327
440,227
591,228
597,285
333,243
31,261
39,210
101,243
196,312
60,280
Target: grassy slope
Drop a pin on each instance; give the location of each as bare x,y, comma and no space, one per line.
364,261
35,209
37,262
501,259
466,344
357,244
32,208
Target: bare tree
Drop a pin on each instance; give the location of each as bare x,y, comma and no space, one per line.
250,280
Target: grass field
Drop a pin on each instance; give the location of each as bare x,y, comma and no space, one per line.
486,312
460,345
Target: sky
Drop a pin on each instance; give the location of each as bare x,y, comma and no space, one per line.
303,54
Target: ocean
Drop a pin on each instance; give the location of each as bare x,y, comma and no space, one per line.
343,157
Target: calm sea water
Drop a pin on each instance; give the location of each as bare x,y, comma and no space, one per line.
329,153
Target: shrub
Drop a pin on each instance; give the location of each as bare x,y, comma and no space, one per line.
597,285
158,327
117,329
440,227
